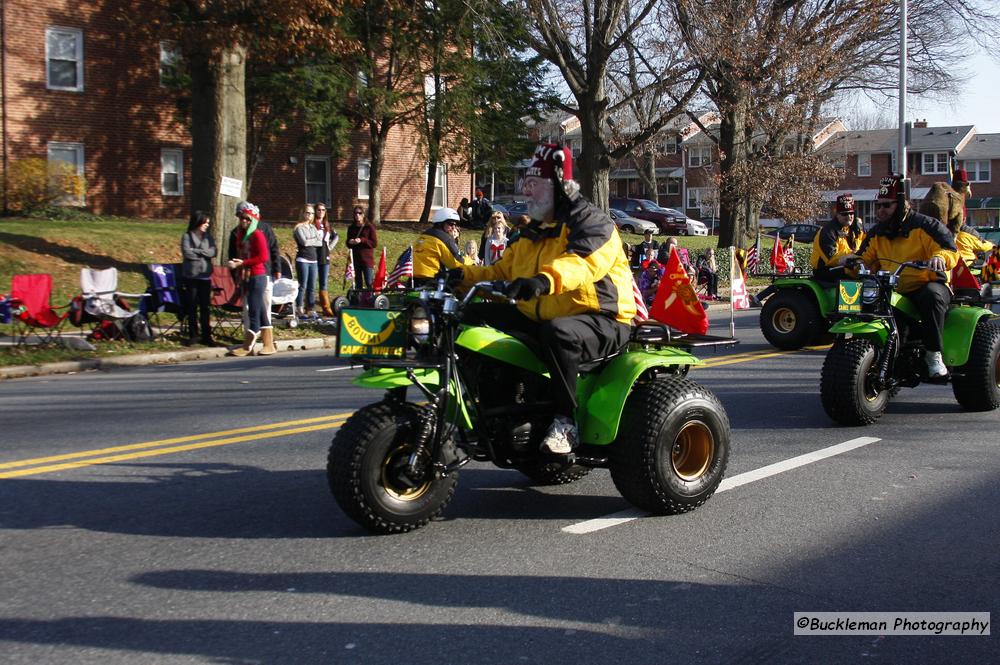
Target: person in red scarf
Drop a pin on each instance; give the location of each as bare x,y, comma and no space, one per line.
251,265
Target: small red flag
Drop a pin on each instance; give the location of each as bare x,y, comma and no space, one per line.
675,303
778,263
379,282
962,278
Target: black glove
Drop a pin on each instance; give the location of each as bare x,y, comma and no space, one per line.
526,288
455,276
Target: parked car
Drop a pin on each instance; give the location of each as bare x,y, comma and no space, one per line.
515,209
670,221
507,199
695,228
628,224
802,232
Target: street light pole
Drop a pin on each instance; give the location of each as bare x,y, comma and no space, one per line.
901,148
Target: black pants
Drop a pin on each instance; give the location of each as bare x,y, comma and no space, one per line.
564,342
711,279
199,292
932,301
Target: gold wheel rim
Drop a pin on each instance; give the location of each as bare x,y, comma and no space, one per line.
783,320
693,451
390,484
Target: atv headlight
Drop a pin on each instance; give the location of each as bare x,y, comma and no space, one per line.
420,325
869,292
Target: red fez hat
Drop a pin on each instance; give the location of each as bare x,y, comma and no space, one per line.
651,262
551,161
961,177
889,188
845,203
479,192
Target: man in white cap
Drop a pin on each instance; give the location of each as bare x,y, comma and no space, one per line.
437,248
573,282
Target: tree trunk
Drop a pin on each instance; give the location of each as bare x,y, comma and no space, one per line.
593,166
735,209
218,136
377,148
647,174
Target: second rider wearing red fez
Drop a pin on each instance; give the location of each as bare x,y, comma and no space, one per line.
572,280
839,238
902,234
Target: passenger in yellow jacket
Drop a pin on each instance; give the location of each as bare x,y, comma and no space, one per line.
905,235
839,238
437,248
569,274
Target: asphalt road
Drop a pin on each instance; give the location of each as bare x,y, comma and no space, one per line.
137,526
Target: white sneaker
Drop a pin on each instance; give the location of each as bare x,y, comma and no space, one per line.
561,437
935,365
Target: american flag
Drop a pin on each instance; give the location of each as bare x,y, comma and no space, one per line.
790,253
349,270
641,311
403,269
753,256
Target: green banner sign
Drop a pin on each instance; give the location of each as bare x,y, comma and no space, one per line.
371,333
849,297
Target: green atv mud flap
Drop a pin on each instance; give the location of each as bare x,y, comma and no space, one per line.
873,330
959,327
387,378
601,397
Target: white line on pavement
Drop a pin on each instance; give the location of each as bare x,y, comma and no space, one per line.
336,369
624,516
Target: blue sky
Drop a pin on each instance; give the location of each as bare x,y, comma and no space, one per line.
978,104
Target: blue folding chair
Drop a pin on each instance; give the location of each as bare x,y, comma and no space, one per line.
163,296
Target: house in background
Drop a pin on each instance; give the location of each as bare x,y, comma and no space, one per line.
79,87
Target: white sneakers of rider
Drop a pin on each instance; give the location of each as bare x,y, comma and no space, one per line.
935,364
561,438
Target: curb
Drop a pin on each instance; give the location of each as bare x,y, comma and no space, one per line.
142,359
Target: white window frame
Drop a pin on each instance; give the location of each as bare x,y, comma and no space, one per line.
703,153
77,34
170,57
80,163
864,164
179,154
939,163
305,177
440,181
695,194
670,145
975,172
365,181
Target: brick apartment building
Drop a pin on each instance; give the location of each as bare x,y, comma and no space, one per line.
78,87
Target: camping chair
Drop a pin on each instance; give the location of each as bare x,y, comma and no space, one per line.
104,306
699,285
32,312
163,296
226,303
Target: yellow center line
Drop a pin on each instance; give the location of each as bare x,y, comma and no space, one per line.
164,442
755,355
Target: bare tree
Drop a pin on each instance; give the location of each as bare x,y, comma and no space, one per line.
584,41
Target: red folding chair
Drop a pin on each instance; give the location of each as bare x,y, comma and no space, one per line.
30,296
227,303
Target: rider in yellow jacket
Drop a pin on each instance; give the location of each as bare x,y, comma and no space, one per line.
436,247
571,280
838,239
903,234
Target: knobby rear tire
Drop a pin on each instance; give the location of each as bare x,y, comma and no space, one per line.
976,384
845,385
790,320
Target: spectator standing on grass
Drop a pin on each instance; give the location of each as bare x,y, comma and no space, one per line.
330,239
251,265
494,240
197,249
273,271
481,210
362,241
308,240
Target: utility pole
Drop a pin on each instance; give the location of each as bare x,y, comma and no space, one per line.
901,164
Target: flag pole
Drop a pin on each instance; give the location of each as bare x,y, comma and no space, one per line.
732,312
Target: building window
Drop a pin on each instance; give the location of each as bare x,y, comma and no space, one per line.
669,186
64,59
440,186
170,57
172,172
72,154
318,180
864,164
670,145
979,171
364,175
699,155
934,163
696,195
